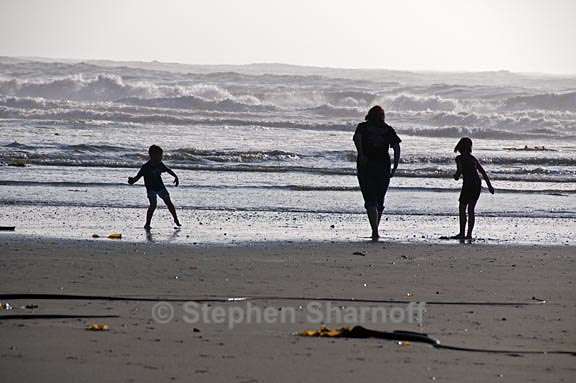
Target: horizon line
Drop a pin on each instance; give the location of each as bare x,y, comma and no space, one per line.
155,61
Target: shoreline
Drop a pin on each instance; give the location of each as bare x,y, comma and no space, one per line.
18,238
245,227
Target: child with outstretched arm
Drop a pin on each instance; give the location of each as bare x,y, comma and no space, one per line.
152,173
468,167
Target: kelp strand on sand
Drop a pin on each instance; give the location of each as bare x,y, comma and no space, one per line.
216,299
52,316
359,332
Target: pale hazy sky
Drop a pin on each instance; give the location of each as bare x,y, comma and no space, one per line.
518,35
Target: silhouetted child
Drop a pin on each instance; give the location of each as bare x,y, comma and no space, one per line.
468,167
152,173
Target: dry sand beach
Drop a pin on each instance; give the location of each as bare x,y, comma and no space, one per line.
138,349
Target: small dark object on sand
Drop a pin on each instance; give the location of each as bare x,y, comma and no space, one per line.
7,228
20,163
359,253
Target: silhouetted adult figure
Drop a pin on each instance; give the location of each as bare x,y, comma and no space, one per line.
373,138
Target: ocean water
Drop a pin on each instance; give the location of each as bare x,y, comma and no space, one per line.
259,144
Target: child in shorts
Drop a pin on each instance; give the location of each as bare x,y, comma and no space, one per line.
152,173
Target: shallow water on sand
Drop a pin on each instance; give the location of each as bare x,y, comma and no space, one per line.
241,227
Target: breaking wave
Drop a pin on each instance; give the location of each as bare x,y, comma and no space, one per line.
405,102
112,88
542,163
549,101
193,102
192,154
79,88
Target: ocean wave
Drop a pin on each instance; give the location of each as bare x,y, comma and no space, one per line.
516,125
427,105
494,160
329,110
407,102
92,148
544,161
32,103
531,175
548,101
19,146
101,88
121,115
187,110
517,128
107,87
483,125
193,102
494,120
485,133
465,92
295,188
187,154
522,157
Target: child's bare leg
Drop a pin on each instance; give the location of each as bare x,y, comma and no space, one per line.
471,219
150,213
462,212
172,210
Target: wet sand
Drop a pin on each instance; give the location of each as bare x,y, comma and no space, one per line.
138,349
226,226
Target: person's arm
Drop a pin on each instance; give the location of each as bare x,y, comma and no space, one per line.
358,143
171,172
395,145
396,148
133,180
485,176
458,169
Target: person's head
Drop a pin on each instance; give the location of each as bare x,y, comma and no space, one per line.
463,146
375,115
155,153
